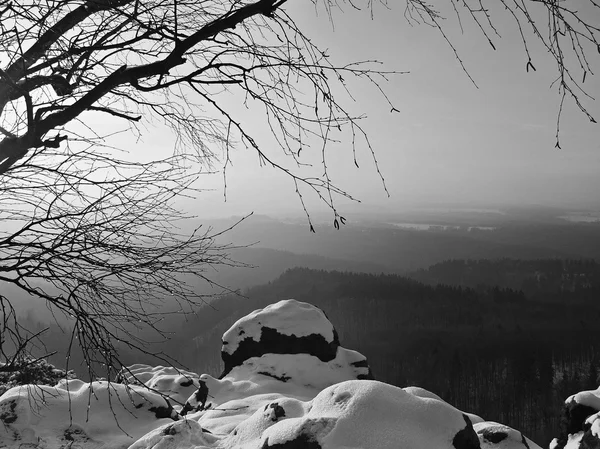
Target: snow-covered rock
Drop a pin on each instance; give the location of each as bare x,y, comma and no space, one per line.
581,422
76,412
264,356
175,383
183,434
362,414
498,436
423,393
287,384
287,327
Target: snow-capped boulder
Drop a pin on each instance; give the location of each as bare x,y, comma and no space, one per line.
498,436
354,413
423,393
183,434
581,422
358,414
75,411
175,383
287,327
288,348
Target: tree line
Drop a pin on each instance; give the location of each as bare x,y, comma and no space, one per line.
547,280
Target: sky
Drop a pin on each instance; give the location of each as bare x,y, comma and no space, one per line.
451,142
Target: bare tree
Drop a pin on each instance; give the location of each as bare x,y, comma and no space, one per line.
567,29
92,231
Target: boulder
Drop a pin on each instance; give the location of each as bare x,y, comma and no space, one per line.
287,327
88,414
580,425
498,436
175,383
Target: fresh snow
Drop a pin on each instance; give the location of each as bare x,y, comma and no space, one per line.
591,398
177,384
574,441
90,414
594,422
498,436
289,317
284,400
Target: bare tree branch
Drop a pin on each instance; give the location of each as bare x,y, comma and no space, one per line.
95,234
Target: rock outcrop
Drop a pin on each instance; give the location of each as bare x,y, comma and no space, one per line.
287,383
580,426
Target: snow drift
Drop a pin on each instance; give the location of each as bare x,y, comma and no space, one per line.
287,383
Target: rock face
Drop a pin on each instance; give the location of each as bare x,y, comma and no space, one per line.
580,427
287,384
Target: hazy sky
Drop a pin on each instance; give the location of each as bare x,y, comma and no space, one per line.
451,142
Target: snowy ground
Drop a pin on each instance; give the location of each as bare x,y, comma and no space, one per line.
287,384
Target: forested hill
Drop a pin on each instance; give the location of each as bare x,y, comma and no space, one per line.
371,311
548,280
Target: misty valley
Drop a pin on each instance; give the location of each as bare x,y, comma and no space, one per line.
497,314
